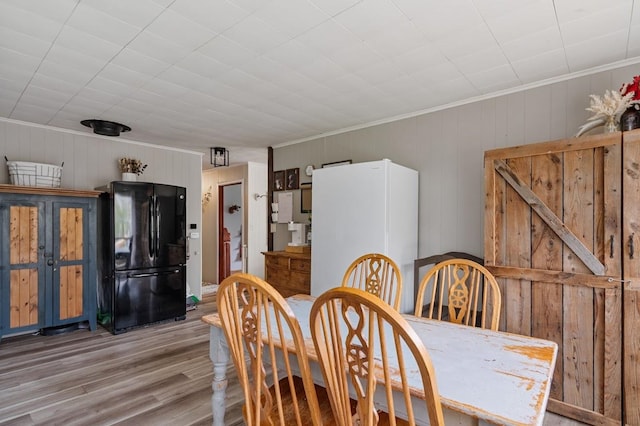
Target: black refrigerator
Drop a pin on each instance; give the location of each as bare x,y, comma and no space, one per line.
142,244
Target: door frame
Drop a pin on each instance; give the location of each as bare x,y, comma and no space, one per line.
220,227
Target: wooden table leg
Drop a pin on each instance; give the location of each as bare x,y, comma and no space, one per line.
219,354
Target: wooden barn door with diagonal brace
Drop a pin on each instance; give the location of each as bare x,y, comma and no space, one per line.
553,238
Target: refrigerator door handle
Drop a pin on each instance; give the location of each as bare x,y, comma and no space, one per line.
151,227
157,224
153,274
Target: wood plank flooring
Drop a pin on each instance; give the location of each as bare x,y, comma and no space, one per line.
157,375
154,375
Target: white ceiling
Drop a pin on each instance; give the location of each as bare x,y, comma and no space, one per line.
247,74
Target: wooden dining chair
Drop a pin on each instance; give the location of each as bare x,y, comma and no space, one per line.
359,343
265,339
377,274
460,291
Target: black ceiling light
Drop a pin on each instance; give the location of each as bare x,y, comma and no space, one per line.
219,156
105,128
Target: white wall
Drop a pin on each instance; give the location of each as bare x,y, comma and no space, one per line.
447,149
256,217
91,161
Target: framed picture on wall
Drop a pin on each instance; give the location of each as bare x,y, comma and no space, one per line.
305,198
293,179
278,180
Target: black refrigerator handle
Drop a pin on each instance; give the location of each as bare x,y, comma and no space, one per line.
153,274
151,227
157,225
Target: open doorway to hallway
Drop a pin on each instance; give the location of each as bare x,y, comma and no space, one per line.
230,232
252,179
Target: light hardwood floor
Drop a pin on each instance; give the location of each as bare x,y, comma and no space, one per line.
157,375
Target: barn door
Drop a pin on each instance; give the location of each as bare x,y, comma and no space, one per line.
553,240
631,271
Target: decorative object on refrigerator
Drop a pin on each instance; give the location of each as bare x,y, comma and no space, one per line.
131,166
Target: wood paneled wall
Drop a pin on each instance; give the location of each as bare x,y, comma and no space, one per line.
447,146
90,161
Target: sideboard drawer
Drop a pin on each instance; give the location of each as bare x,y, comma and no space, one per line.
301,265
289,273
277,261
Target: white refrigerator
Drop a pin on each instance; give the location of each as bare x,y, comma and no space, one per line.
360,208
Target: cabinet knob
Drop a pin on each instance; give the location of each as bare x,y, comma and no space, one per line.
50,262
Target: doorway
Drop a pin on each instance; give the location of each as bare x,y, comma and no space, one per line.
230,232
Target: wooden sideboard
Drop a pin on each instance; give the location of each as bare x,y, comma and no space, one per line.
289,273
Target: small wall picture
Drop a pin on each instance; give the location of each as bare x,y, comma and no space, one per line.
293,178
278,180
305,198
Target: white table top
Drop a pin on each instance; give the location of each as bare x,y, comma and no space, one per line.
498,377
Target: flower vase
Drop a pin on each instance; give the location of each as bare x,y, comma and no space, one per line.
129,177
630,119
610,125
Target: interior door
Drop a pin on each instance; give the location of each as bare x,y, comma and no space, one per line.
230,230
553,239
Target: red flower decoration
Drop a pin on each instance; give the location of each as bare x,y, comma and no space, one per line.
632,87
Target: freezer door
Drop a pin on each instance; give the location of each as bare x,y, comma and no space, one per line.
148,296
133,225
170,225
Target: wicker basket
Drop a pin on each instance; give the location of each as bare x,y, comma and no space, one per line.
34,174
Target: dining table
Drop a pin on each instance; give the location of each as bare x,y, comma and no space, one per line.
483,376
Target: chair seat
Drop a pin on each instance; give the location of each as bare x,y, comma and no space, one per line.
323,403
384,420
305,414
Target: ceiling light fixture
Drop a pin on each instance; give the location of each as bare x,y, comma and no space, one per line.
105,128
219,156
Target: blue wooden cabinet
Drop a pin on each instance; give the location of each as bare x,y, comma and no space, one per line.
48,258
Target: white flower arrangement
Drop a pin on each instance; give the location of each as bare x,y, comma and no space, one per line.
612,104
606,108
